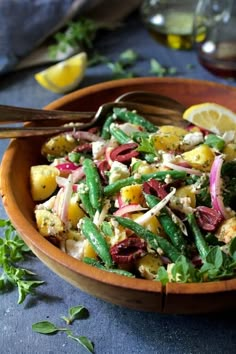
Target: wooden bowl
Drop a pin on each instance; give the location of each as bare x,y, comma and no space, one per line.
138,294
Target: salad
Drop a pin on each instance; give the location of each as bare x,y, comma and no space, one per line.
139,200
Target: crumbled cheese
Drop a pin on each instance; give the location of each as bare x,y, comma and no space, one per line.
98,149
129,128
168,179
118,171
182,204
47,205
193,139
75,248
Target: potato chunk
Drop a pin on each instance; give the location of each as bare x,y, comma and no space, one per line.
132,194
59,146
148,266
227,230
48,223
43,181
200,157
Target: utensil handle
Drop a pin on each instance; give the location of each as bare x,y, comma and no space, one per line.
20,114
27,131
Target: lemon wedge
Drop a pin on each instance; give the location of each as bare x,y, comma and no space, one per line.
211,116
64,76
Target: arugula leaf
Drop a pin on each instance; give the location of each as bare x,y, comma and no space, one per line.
12,250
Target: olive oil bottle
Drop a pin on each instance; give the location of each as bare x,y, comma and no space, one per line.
170,22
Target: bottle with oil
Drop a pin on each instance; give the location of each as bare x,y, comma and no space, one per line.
170,22
215,36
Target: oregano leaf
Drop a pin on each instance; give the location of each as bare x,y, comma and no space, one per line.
44,327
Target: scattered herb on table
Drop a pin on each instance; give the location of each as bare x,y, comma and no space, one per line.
75,313
121,67
156,68
78,34
13,250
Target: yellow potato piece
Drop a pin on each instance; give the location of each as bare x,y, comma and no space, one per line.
166,142
200,157
152,225
186,191
75,213
48,223
230,152
132,194
148,266
88,250
227,230
172,130
59,146
43,181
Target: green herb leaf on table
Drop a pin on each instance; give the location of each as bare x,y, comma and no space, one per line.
13,250
45,327
84,341
77,35
159,70
75,313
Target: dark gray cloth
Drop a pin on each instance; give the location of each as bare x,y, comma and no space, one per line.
25,24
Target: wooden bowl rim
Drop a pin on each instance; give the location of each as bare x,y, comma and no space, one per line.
37,242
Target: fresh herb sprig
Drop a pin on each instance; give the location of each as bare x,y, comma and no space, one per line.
157,69
78,34
13,250
216,265
74,313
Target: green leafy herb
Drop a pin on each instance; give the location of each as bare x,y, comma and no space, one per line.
77,35
12,250
84,341
216,265
74,313
46,327
128,57
156,68
120,67
146,146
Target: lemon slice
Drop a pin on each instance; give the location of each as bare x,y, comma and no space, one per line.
64,76
211,116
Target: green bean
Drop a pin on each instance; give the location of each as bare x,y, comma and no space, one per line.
171,229
160,175
93,183
134,118
105,133
84,197
200,242
116,186
119,135
97,241
95,263
153,240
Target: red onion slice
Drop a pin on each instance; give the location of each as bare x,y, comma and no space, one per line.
191,171
215,186
131,208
